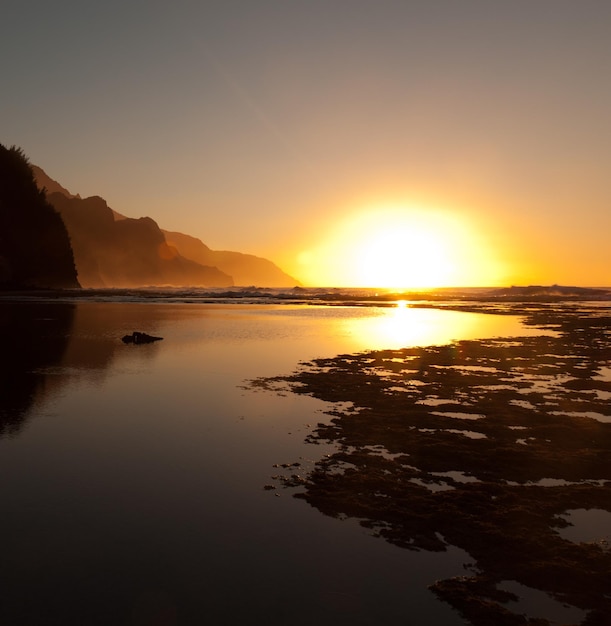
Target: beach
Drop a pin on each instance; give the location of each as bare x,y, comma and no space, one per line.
156,482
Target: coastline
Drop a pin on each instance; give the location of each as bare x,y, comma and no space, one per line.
323,295
481,445
453,448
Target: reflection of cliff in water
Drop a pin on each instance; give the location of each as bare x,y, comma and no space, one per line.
483,445
96,338
47,345
33,338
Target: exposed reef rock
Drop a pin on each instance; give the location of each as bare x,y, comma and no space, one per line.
483,445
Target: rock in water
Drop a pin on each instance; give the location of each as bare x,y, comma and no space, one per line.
137,337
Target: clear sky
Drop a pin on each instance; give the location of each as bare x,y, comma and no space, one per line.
350,141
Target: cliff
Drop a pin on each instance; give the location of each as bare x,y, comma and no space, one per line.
46,183
127,252
246,269
112,250
35,250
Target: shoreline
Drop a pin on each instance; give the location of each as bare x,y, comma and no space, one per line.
482,445
463,298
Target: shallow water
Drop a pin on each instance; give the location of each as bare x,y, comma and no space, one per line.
587,525
133,476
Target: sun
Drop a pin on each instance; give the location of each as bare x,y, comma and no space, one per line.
402,255
402,248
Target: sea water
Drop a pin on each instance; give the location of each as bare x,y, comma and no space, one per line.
133,476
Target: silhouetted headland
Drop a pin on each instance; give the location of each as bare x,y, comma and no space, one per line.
35,250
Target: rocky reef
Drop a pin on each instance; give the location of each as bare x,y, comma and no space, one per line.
484,445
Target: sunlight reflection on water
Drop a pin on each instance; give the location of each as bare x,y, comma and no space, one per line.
152,461
406,327
319,331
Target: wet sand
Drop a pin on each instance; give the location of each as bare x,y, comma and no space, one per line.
482,444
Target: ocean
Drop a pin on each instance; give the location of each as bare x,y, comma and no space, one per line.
140,482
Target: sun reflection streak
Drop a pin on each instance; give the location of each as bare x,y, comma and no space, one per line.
404,326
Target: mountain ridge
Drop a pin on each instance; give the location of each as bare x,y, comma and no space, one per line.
126,253
113,250
246,269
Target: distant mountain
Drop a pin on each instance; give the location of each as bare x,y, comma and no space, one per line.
112,250
127,252
49,185
246,269
35,249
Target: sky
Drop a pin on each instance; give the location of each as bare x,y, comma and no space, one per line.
352,142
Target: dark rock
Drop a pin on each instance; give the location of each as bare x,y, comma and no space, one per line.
411,473
35,251
137,337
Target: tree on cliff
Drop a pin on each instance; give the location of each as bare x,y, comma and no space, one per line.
35,249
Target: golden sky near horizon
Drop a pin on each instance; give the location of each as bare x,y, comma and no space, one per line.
391,142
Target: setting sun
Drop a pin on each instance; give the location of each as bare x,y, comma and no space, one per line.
399,255
402,248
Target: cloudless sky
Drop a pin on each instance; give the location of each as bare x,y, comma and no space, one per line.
273,126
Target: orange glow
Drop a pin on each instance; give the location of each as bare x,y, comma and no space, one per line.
166,252
403,326
402,248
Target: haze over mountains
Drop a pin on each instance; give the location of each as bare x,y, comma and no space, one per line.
112,250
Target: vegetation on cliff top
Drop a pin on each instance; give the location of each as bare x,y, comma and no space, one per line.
35,250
